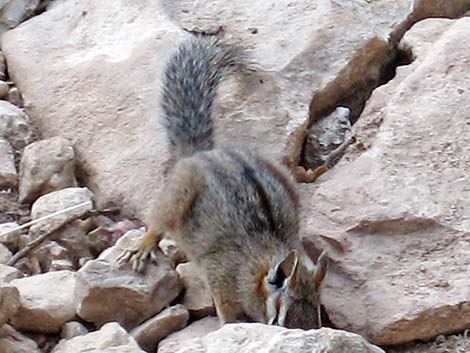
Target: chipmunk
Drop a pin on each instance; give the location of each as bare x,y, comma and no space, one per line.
234,212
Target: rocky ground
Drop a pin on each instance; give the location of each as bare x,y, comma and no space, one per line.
79,132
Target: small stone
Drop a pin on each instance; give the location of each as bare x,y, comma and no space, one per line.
11,341
61,265
8,175
14,96
197,297
10,240
5,254
3,67
108,291
9,302
15,126
4,88
9,273
73,329
169,248
110,338
198,329
46,166
47,301
72,240
155,329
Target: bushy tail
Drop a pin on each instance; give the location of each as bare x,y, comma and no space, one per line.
190,83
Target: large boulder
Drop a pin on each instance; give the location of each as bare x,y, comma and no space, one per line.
91,79
396,211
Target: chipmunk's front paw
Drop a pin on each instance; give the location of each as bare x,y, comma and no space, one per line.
138,258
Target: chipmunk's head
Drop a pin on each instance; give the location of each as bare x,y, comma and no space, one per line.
295,284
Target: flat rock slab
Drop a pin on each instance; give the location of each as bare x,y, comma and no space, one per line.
396,210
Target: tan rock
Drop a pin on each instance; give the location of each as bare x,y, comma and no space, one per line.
11,239
11,341
197,296
396,210
46,166
236,338
110,338
155,329
9,302
47,301
8,175
4,88
14,96
302,44
108,291
73,329
5,254
15,125
9,273
178,341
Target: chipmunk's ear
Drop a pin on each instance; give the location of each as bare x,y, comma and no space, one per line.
320,269
286,269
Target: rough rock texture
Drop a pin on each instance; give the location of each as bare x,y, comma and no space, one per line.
13,12
71,242
5,254
10,240
46,166
8,273
397,209
11,341
112,119
73,329
198,329
9,303
244,338
8,175
108,291
197,296
15,125
47,301
110,338
153,330
169,248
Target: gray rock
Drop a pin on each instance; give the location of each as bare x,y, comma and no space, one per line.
108,291
198,329
73,329
13,12
9,273
71,241
11,341
9,302
197,297
47,302
110,338
253,338
15,126
10,240
8,175
156,328
3,67
5,254
46,166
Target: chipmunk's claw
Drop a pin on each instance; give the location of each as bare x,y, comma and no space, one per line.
138,258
